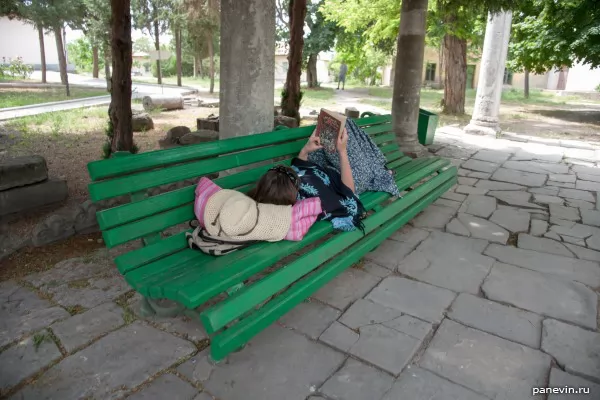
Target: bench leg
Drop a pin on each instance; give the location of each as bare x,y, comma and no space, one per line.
151,307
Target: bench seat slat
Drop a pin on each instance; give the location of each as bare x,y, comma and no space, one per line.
103,169
236,305
238,334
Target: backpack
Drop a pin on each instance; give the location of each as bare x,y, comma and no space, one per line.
201,240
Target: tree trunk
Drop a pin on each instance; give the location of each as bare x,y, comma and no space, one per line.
442,71
211,60
120,102
409,76
290,101
95,71
393,70
526,83
195,65
157,48
178,54
311,71
455,78
107,68
200,68
62,60
42,53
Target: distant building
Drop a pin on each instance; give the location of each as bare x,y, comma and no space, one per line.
281,65
20,39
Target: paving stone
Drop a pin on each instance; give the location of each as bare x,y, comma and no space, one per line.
310,318
479,175
569,239
22,312
206,396
93,292
536,167
357,381
515,198
560,184
586,155
509,323
583,253
448,261
480,206
481,166
470,190
454,196
455,226
590,217
552,235
276,364
83,328
546,190
560,380
575,349
390,253
419,384
73,269
562,212
593,242
519,177
411,297
483,229
584,205
455,152
111,366
539,216
365,312
587,185
434,217
463,172
376,270
513,220
25,359
487,364
565,178
576,194
542,153
411,326
463,180
538,228
495,185
409,234
575,162
346,288
384,347
339,336
580,169
543,199
542,293
588,177
578,230
167,386
529,242
570,268
455,205
493,156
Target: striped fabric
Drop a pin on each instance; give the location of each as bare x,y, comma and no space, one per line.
304,214
204,190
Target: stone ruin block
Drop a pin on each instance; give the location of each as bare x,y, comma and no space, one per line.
21,171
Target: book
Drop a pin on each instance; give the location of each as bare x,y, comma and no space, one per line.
330,126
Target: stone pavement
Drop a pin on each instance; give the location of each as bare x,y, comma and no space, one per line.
491,291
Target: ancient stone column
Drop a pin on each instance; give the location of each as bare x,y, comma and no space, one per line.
489,88
247,78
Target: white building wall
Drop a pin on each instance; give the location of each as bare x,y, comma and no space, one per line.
535,81
20,39
582,78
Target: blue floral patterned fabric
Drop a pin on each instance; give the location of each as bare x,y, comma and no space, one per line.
367,162
340,205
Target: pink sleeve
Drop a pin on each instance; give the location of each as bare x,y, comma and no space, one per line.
204,190
304,215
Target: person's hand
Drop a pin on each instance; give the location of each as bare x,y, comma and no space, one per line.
342,142
313,144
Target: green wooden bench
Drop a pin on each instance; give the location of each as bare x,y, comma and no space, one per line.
244,292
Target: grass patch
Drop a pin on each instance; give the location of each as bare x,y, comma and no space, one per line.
41,337
317,97
79,284
203,82
128,316
74,310
16,97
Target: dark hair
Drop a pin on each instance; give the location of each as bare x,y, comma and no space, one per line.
278,186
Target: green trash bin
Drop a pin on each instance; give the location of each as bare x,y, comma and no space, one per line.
427,124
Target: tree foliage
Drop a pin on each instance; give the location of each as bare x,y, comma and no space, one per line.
548,34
